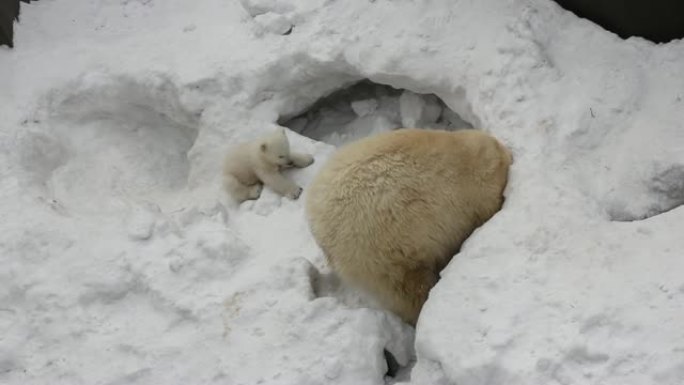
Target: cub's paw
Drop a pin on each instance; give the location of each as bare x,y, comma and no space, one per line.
294,194
300,160
307,160
255,191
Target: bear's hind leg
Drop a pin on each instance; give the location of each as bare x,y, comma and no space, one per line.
411,291
240,192
255,191
280,184
400,289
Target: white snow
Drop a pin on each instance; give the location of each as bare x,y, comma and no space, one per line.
122,263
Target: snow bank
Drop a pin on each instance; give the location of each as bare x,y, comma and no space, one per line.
123,264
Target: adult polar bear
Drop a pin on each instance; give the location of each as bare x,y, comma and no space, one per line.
389,211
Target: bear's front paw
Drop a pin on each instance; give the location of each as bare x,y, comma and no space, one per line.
295,193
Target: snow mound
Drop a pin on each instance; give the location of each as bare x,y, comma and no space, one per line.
275,310
658,190
107,137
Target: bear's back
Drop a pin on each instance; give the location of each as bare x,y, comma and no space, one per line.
408,193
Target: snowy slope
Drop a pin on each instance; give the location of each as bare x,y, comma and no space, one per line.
123,264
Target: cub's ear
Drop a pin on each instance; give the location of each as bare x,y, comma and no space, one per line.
263,147
280,131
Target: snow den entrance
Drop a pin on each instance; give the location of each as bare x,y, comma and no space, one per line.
367,108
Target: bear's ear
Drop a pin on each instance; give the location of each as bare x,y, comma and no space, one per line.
263,147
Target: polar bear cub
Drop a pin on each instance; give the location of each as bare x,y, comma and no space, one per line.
250,166
389,211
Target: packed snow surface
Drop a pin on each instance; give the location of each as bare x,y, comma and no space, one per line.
123,263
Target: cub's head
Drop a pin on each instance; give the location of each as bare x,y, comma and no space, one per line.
275,148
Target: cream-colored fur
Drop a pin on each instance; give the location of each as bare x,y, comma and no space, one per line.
249,166
389,211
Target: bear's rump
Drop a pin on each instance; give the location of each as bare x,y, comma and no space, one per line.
426,233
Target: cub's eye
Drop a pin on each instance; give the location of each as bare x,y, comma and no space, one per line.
282,157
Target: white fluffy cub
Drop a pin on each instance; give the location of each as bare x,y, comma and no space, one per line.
249,166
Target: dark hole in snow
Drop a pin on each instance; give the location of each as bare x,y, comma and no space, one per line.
392,364
367,108
658,20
